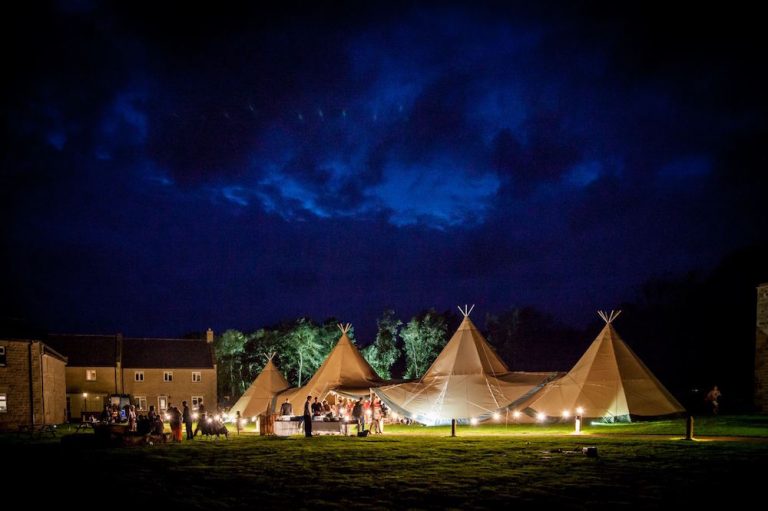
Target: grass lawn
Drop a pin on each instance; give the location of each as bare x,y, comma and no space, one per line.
409,467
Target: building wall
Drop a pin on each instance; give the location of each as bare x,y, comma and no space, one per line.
26,402
54,390
97,390
182,388
761,350
14,383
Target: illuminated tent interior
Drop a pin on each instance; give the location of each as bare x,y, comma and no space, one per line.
344,372
609,382
259,396
466,381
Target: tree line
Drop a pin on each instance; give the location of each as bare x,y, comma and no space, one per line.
693,331
400,350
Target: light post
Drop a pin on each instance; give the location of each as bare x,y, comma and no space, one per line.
579,413
85,404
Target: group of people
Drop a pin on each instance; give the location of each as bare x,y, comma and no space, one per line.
373,409
153,422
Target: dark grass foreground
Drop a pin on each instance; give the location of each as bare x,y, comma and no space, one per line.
479,469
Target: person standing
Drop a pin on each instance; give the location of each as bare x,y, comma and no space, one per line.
713,398
239,422
186,416
286,408
201,419
308,417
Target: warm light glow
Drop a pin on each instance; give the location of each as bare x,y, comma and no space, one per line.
253,419
541,416
496,416
209,420
217,417
516,414
167,417
367,413
243,422
566,414
194,416
85,394
473,421
580,411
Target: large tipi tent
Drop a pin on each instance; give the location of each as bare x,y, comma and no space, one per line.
259,397
609,382
466,381
345,372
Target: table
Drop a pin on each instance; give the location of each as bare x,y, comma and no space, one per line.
288,428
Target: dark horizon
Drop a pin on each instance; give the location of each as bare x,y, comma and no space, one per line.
234,167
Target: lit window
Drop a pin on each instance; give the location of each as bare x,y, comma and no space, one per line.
3,403
140,402
90,374
138,376
197,377
168,376
2,356
162,402
196,400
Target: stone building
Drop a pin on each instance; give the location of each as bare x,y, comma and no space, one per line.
761,350
159,372
32,387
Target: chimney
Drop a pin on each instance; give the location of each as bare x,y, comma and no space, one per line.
209,336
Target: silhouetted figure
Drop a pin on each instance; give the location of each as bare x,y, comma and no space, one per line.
186,417
308,417
713,398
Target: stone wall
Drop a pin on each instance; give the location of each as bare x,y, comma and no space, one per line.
761,350
26,401
182,388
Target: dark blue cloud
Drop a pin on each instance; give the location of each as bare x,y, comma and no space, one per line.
235,166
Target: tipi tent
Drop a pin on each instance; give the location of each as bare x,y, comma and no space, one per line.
259,396
609,382
466,381
345,371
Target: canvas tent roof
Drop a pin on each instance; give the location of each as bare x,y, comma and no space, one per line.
259,396
609,381
344,371
467,380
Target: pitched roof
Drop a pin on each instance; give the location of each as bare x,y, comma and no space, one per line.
608,381
261,393
467,380
86,350
105,350
344,370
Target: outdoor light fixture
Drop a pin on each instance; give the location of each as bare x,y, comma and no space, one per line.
516,414
473,421
209,420
195,416
253,419
85,401
541,416
496,416
577,423
566,414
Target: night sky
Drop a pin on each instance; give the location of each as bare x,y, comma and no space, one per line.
167,169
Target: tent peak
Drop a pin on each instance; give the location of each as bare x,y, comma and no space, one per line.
466,311
344,327
270,356
609,317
